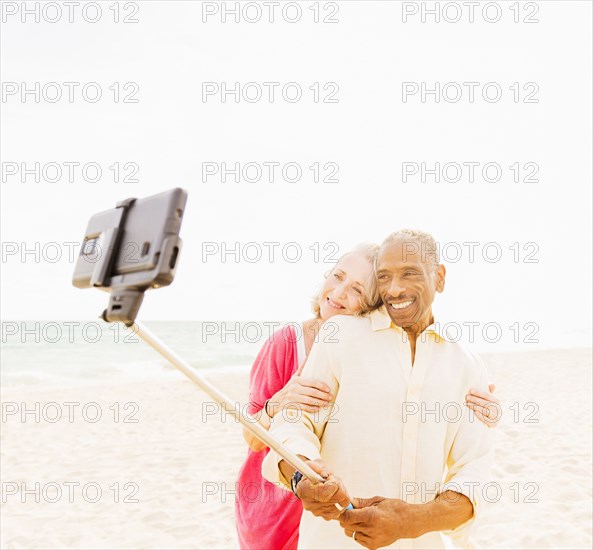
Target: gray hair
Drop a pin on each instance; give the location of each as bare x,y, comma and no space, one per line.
421,242
370,299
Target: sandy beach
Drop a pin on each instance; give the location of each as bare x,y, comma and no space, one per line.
158,468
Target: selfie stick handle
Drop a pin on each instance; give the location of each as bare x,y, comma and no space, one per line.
248,421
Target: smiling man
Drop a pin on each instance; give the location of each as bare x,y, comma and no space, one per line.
409,275
398,428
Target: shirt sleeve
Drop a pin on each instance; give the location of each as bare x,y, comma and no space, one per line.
470,460
296,429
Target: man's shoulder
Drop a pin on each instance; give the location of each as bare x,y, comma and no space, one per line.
343,330
349,323
463,356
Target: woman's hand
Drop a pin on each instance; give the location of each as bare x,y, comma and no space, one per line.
485,406
307,394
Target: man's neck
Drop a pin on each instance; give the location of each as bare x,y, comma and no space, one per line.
416,330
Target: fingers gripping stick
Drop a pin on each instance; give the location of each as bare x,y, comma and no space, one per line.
350,505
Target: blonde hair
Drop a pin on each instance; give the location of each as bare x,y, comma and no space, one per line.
370,298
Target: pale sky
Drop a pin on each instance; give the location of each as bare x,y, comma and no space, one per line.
368,134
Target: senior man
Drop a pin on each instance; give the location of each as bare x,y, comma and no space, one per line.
398,428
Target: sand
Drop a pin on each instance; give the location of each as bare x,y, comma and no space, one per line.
181,467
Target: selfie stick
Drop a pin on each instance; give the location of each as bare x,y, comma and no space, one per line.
248,421
127,292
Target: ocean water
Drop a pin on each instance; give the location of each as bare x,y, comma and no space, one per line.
62,352
75,352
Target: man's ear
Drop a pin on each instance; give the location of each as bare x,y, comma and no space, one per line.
440,278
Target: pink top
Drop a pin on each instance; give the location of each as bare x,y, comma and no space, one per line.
266,515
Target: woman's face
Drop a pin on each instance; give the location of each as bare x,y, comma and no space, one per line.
344,287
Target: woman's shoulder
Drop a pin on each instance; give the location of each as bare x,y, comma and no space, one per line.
278,352
286,335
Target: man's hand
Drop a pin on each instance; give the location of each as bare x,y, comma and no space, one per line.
321,498
378,521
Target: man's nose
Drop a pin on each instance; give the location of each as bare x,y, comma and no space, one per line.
396,288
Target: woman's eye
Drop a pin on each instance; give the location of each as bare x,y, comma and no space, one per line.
357,291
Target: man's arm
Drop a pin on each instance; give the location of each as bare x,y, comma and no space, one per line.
299,430
379,521
447,511
471,456
287,470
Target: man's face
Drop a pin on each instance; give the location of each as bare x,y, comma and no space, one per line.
408,283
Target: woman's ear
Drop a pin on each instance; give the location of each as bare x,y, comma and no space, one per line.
440,278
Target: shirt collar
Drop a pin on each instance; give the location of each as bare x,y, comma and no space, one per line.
380,320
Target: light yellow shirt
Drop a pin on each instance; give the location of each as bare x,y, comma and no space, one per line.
395,430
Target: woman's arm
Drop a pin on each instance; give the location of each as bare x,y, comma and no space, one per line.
254,443
274,385
301,393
